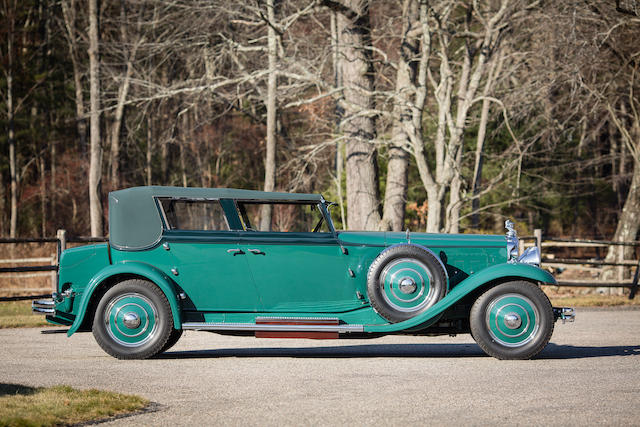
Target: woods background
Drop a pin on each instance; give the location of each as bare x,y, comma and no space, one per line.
429,115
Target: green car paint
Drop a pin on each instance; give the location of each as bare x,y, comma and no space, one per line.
235,275
502,272
125,269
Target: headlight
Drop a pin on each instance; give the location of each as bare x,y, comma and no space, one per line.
530,256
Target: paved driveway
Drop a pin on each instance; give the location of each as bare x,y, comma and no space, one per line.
589,374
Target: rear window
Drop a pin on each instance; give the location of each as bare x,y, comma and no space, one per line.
182,214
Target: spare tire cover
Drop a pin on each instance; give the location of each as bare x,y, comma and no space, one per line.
404,281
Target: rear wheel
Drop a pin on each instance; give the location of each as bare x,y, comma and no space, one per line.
133,320
513,320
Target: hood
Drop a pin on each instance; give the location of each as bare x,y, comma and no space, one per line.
388,238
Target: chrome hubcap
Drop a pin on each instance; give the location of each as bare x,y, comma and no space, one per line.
131,320
407,285
512,320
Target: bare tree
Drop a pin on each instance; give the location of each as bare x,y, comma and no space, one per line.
69,14
9,10
95,165
270,159
408,105
358,123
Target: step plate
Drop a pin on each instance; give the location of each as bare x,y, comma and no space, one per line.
305,321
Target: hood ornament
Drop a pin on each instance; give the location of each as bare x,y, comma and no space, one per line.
408,237
511,231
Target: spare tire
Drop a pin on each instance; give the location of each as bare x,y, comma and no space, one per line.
404,281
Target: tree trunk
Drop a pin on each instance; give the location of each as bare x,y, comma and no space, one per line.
395,195
11,134
123,91
494,71
117,123
95,164
43,197
69,11
183,148
270,160
12,157
149,148
358,125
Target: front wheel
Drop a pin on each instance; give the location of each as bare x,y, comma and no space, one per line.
133,320
513,320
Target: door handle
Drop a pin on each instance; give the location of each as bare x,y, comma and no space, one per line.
256,252
235,251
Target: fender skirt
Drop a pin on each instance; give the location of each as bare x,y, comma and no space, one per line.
502,271
146,271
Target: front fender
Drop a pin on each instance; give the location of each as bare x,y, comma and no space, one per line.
509,271
147,271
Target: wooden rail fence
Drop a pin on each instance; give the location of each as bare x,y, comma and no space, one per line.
595,266
28,271
49,265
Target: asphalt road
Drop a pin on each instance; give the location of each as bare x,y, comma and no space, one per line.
589,374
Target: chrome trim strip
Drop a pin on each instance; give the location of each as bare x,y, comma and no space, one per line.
203,326
294,319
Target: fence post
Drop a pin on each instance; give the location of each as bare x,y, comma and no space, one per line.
538,234
61,235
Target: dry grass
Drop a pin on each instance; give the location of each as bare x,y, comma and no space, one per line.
589,297
18,314
61,405
594,300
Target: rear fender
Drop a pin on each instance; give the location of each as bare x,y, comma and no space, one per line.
142,270
500,272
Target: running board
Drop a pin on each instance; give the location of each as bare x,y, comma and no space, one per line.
282,327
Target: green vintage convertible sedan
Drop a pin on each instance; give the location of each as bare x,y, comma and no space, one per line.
201,259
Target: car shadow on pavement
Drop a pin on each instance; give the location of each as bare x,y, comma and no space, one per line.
349,351
552,351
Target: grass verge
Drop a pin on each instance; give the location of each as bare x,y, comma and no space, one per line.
594,301
18,314
61,405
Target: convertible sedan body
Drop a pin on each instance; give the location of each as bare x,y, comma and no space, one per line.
273,265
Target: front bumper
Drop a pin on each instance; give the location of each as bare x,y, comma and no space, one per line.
566,314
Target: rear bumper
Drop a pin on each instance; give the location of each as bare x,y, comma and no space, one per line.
44,306
566,314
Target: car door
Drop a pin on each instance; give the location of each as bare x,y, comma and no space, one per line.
298,271
208,265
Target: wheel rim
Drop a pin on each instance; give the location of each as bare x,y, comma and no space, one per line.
512,320
131,319
406,285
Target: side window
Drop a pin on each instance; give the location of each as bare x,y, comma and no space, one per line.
285,217
183,214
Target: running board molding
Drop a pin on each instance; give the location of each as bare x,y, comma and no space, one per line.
278,324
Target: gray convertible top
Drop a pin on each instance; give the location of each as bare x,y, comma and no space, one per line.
134,219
